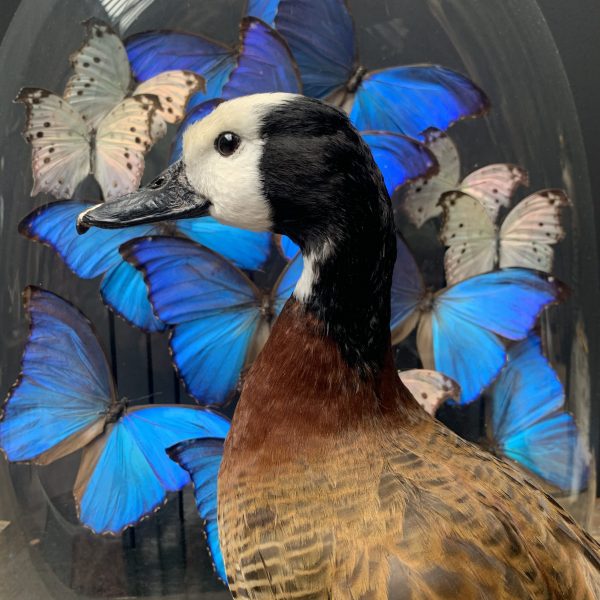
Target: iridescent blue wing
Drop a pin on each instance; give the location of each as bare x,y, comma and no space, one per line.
58,402
125,474
246,249
212,307
154,52
287,282
123,289
264,63
202,460
408,290
528,422
265,10
320,34
411,99
193,116
287,247
399,158
95,254
467,318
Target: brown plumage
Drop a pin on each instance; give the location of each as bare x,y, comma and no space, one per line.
336,487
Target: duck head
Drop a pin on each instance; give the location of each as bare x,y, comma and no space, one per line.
294,166
276,162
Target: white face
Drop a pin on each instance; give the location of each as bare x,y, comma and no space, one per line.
232,183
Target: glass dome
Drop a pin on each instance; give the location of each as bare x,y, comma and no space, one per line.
505,47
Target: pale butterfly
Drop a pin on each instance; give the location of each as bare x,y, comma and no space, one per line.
525,238
102,78
430,388
493,185
65,149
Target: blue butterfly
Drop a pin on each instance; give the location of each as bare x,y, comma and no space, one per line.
528,422
202,459
65,400
97,253
219,319
405,100
261,63
459,326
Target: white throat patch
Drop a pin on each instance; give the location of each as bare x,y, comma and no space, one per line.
233,183
310,272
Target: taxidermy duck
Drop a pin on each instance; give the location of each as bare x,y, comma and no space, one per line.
334,482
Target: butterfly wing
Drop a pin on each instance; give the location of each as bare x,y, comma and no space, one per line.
154,52
60,157
265,10
494,185
202,460
101,77
58,402
264,63
125,475
429,388
95,254
470,236
467,318
400,159
320,34
287,248
173,90
246,249
410,100
421,199
528,423
531,229
408,290
287,282
211,306
122,139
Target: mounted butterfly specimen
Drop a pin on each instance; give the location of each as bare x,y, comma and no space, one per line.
218,318
525,238
406,100
430,388
65,150
65,400
122,287
527,421
493,185
460,329
102,79
261,62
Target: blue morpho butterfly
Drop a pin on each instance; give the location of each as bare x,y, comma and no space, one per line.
65,400
219,319
527,421
201,458
261,63
406,100
97,253
459,327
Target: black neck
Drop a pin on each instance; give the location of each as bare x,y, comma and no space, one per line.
351,267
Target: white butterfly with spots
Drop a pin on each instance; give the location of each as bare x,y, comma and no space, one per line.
525,238
102,79
492,186
65,149
430,388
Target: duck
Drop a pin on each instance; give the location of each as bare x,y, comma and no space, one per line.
335,483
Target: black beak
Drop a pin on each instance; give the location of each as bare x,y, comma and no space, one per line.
169,196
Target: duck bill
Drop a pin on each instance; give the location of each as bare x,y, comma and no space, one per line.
169,196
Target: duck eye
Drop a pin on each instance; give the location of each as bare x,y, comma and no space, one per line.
227,143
